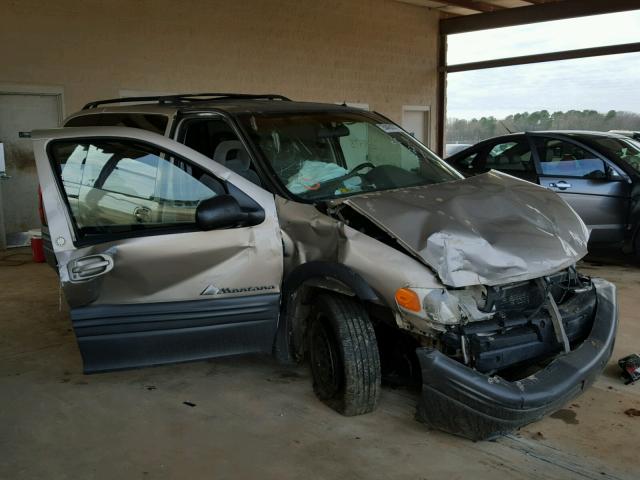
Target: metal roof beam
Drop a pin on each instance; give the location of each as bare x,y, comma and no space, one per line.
534,13
545,57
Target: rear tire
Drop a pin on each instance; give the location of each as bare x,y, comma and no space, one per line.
345,363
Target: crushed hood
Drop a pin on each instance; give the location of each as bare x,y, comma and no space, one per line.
488,229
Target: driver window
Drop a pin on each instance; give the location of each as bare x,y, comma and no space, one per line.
214,138
559,158
510,157
118,185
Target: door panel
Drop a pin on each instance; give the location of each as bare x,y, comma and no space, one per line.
166,295
602,204
581,178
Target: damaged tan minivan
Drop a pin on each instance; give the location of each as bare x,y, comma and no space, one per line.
196,226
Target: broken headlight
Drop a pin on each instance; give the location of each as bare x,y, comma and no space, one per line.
439,307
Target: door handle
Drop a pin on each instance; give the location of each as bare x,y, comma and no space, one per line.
142,214
89,267
561,185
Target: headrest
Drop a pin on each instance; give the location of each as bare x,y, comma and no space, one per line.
241,163
224,148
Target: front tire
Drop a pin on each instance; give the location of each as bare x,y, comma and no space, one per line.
343,352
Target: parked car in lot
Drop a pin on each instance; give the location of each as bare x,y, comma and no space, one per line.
223,224
597,173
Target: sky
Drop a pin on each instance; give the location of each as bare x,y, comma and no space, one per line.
597,83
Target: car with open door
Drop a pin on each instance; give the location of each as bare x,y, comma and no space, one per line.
148,236
597,173
199,226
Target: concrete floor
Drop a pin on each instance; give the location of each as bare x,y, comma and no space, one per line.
251,418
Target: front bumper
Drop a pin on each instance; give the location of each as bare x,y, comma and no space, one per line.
464,402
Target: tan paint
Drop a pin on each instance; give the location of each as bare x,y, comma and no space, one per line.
378,52
195,260
310,235
491,229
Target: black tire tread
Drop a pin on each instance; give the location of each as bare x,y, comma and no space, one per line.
359,354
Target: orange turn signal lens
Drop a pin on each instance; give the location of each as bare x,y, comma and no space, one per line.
408,299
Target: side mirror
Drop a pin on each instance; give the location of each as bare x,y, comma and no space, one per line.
615,176
597,175
221,211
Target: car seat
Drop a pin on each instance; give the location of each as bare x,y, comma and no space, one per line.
240,162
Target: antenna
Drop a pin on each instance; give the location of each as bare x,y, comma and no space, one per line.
505,127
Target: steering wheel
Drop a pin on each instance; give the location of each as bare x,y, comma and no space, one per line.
329,184
351,173
357,168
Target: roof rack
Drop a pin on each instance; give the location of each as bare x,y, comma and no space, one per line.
186,98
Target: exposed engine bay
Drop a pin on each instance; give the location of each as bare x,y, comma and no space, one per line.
529,320
492,328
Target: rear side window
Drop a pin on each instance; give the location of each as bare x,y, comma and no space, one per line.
152,123
560,158
117,186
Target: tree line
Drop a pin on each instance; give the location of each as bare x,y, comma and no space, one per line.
472,131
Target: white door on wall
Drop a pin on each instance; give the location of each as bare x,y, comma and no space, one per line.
19,114
415,120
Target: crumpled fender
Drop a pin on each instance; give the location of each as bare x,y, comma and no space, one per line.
489,229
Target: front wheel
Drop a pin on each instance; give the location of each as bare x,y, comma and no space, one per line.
343,353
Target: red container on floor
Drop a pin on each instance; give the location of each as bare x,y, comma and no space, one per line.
37,250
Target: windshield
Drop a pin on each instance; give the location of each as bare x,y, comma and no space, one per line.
320,156
624,150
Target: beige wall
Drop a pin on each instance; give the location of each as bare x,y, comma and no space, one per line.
379,52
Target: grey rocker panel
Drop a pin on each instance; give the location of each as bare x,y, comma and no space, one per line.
113,337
